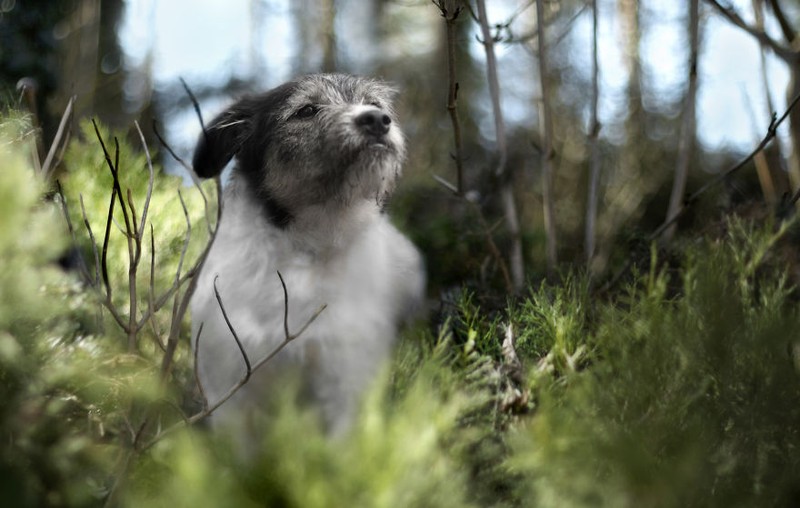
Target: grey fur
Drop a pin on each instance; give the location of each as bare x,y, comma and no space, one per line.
292,161
316,158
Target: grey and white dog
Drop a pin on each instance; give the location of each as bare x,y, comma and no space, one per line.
316,159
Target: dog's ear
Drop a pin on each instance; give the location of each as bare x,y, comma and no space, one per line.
221,140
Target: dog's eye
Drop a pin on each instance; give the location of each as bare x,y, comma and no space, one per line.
307,111
376,104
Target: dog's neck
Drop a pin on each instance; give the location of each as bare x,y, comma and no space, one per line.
319,230
326,229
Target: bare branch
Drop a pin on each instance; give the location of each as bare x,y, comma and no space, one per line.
287,335
61,134
233,331
132,208
787,54
196,374
150,181
195,105
447,185
486,231
82,263
94,243
769,136
152,292
450,10
288,338
788,31
190,171
181,304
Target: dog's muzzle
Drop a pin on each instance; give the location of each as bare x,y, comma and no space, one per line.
375,124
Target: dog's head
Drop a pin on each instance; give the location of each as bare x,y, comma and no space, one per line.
324,139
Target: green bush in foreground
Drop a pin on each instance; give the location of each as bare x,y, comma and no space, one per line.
681,390
687,400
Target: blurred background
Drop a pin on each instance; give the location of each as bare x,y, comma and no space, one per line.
125,61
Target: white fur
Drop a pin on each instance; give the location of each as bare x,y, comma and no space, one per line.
352,259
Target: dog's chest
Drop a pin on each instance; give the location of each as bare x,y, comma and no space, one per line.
359,283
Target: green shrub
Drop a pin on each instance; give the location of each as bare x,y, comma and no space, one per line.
680,390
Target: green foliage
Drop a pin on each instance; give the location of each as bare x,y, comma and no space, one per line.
682,390
89,180
47,457
689,400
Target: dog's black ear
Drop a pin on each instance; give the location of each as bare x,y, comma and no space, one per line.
220,141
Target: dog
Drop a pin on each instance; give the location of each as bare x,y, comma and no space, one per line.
315,161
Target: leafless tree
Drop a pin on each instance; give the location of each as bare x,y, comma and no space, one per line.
595,163
546,123
506,189
789,53
689,128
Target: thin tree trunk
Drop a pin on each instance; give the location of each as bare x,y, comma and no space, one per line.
594,147
688,131
765,173
328,33
547,146
506,191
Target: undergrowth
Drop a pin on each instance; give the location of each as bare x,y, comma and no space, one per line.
680,389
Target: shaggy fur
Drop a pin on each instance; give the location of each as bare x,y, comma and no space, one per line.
316,159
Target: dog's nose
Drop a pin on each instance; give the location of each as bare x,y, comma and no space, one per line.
374,122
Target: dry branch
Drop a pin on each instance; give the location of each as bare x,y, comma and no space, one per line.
772,131
62,135
788,32
248,367
208,410
450,10
787,54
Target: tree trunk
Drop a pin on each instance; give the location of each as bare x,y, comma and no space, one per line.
546,124
594,148
689,129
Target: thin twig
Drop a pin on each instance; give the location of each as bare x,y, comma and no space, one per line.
208,410
82,263
692,199
151,178
106,238
151,294
486,230
195,105
92,240
132,208
786,54
288,338
61,134
450,10
285,305
179,310
196,372
190,172
788,31
246,359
